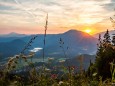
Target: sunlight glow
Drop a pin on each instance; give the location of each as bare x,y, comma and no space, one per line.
88,31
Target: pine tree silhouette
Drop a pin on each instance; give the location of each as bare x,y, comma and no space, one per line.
107,37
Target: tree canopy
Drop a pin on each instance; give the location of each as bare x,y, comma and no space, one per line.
104,56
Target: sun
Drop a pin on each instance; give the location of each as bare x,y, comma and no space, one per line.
88,31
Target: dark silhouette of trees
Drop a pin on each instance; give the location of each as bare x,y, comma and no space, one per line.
104,56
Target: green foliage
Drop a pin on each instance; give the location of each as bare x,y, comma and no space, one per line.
45,77
105,55
112,70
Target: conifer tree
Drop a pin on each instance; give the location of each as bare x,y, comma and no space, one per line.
99,45
113,39
107,37
104,56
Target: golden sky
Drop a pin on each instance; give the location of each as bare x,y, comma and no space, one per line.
28,16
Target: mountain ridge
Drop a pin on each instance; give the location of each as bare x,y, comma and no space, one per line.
13,34
78,42
111,32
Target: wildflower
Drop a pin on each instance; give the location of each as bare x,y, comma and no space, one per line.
11,59
61,82
46,69
74,67
15,82
31,54
50,59
24,57
17,56
54,76
94,74
9,64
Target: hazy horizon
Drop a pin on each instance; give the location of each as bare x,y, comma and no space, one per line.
50,33
28,16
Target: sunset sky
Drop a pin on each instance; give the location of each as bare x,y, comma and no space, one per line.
28,16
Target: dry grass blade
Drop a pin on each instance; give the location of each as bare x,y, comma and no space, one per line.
28,44
46,26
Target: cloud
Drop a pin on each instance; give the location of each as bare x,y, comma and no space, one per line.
2,7
62,13
109,6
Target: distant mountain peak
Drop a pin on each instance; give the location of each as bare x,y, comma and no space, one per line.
13,34
111,32
72,31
